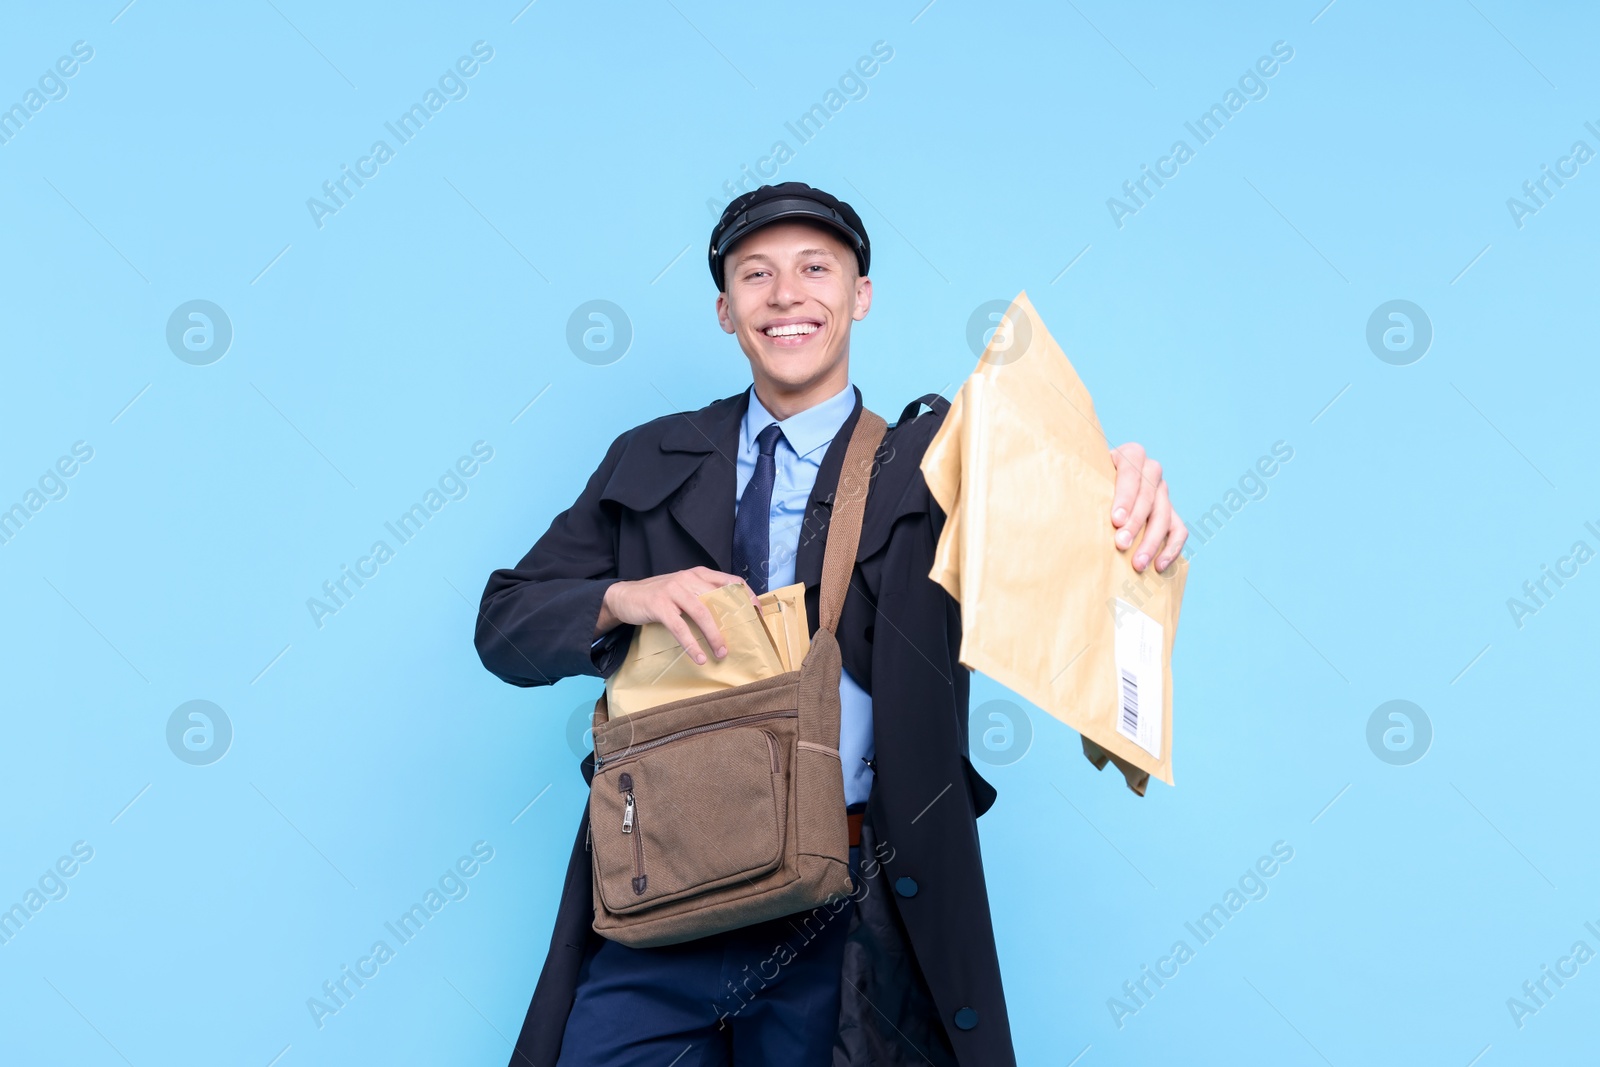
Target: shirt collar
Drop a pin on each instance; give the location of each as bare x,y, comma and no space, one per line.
806,431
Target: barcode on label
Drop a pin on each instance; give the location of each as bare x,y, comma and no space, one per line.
1138,655
1130,704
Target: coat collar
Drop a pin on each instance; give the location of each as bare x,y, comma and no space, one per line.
711,429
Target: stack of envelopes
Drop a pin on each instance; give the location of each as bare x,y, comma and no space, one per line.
763,641
1049,606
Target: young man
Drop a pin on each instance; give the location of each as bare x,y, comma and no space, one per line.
741,491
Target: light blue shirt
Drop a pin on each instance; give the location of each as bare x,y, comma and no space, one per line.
805,440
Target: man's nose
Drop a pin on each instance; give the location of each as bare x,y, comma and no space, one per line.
786,292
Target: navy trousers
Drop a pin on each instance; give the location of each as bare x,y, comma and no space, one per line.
766,994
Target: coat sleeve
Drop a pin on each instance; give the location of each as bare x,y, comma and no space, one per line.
536,620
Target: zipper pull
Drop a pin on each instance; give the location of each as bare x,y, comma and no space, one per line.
627,816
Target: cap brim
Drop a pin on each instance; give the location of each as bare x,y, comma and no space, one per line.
785,210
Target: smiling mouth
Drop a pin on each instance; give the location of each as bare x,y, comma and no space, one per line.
791,334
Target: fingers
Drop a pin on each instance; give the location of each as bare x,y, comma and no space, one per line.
703,579
751,593
1149,483
720,578
672,597
1175,539
1139,481
691,605
1155,531
1128,459
676,625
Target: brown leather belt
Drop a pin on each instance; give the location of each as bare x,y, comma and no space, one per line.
853,819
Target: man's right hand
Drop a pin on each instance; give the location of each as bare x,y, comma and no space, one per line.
666,599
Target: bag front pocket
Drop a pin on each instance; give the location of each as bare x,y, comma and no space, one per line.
689,813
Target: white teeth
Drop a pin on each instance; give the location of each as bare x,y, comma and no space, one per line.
792,330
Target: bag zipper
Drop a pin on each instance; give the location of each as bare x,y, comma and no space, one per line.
633,750
629,816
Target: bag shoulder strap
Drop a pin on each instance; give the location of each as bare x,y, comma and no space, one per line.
849,505
935,403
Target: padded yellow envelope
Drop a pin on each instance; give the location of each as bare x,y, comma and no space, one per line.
1050,607
762,642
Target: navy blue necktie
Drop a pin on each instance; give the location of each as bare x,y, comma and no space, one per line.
752,525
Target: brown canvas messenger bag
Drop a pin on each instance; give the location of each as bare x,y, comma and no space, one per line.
722,810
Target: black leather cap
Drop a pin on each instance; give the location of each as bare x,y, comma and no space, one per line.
776,203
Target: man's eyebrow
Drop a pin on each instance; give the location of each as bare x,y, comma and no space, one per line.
750,256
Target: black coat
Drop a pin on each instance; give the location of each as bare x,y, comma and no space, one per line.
921,975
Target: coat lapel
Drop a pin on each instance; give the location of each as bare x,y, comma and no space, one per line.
704,443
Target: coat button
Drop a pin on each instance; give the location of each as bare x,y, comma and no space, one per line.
867,633
906,887
966,1019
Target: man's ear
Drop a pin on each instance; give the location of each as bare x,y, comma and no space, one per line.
863,298
723,318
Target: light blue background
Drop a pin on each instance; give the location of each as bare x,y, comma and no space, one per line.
1225,316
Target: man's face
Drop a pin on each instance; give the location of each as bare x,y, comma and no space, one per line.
792,293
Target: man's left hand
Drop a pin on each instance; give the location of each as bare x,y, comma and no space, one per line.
1141,509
